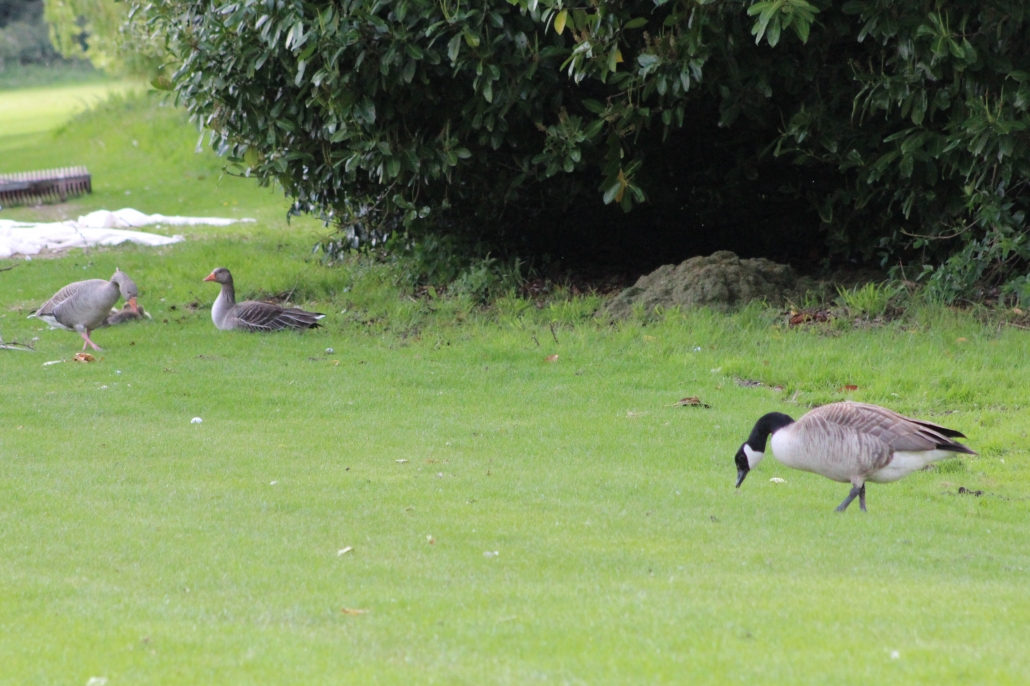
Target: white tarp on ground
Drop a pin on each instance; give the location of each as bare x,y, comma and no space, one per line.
96,228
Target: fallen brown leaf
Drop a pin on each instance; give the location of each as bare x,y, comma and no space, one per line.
353,611
805,317
693,400
847,387
551,358
84,357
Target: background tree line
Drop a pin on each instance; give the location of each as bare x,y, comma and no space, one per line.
24,36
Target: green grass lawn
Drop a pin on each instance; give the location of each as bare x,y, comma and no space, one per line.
142,548
27,114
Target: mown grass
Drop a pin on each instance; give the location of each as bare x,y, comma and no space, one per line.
145,549
28,114
77,72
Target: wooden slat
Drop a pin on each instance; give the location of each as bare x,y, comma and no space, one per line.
55,185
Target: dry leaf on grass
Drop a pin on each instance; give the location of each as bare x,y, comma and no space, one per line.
819,316
344,551
847,387
551,358
84,357
353,611
400,461
430,540
692,400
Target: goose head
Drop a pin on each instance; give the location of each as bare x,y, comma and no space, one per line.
752,450
219,275
127,287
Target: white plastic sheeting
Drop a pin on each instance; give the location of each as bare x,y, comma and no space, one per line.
96,228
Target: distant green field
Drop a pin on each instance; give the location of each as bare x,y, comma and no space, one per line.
414,494
25,113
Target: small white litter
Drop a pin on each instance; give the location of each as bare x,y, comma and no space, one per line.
777,480
196,420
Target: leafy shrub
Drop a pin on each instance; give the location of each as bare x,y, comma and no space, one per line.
897,126
870,300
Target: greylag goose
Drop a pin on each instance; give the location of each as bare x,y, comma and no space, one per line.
82,306
126,314
251,315
850,442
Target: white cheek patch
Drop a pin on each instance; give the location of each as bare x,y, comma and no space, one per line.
753,456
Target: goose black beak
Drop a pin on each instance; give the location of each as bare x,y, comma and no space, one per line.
743,466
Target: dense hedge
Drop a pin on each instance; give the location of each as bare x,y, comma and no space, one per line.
897,128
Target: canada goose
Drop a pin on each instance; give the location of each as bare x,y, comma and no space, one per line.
850,442
254,316
82,306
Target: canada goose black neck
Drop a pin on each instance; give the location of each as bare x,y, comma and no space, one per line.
766,425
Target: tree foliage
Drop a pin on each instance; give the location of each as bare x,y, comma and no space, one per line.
106,33
24,38
900,125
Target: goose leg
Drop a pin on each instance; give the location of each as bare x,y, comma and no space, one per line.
855,492
85,337
861,499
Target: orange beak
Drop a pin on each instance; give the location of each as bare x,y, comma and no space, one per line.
210,277
132,304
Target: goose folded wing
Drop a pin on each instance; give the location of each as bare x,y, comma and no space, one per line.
840,443
902,433
64,295
259,316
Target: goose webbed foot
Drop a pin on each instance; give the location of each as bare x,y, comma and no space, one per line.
856,492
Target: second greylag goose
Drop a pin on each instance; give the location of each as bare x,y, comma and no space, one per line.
251,315
850,442
82,306
126,314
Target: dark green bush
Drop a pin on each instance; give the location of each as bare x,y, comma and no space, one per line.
896,128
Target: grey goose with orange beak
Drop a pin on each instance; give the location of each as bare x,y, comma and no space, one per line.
849,442
84,305
251,315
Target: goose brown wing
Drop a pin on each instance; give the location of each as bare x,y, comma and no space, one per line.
259,316
66,294
841,442
901,433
